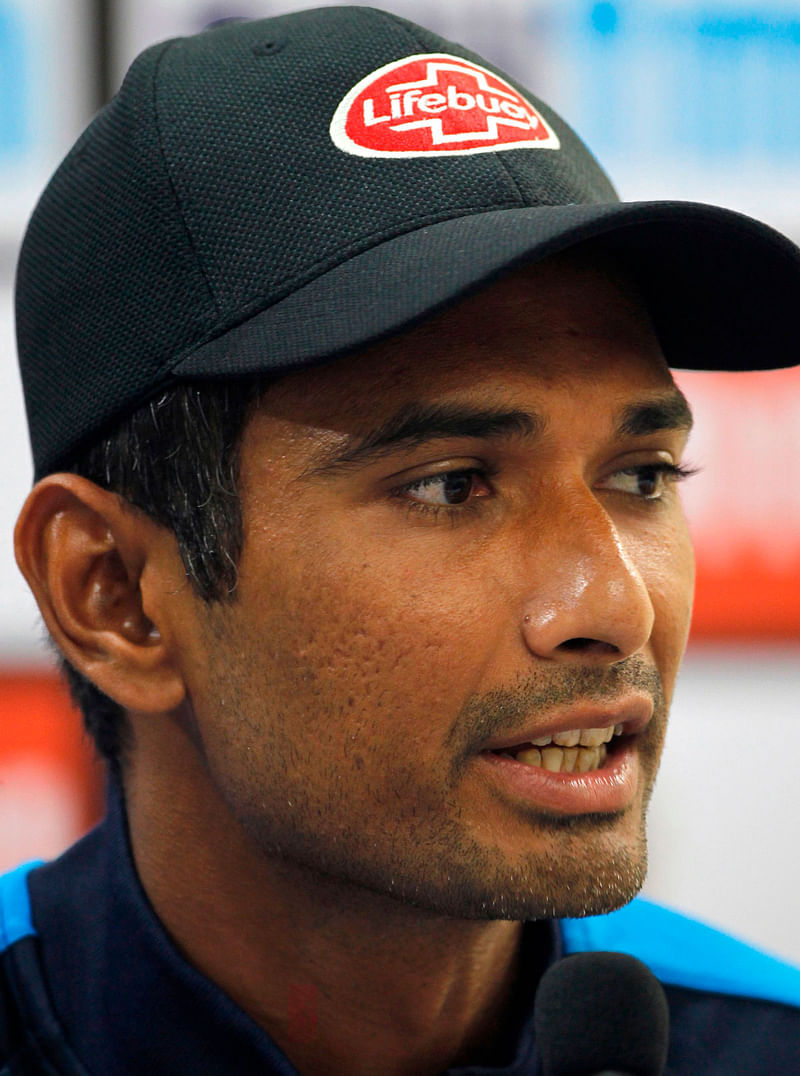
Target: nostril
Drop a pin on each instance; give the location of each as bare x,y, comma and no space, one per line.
588,646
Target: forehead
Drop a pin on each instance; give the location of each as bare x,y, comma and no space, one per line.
575,317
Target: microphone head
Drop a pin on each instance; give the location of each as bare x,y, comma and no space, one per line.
601,1011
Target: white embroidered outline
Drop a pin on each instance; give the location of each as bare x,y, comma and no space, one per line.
438,62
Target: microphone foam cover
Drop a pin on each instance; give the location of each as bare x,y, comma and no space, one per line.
597,1011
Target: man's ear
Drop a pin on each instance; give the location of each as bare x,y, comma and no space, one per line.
86,554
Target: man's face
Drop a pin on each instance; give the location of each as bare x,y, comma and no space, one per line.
463,540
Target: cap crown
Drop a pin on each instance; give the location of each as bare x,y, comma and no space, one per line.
210,188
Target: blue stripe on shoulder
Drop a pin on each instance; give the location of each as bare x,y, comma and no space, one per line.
15,906
683,952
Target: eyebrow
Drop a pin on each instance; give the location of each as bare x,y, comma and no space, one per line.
668,411
418,424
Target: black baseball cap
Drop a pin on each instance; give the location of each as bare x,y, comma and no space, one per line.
270,195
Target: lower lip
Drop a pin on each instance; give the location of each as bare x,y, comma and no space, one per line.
611,788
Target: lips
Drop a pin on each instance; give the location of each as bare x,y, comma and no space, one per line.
584,759
582,724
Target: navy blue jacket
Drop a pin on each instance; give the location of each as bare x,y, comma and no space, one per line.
91,984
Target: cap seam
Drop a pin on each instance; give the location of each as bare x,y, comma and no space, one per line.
172,185
325,265
402,24
512,179
418,43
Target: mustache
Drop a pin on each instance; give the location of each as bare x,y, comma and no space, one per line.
501,710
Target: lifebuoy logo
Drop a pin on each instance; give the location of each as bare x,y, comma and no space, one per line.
436,105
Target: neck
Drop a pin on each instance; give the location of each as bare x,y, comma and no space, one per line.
343,979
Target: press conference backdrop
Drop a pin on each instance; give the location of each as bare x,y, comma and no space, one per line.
679,99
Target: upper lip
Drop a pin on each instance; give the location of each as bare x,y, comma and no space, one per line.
633,712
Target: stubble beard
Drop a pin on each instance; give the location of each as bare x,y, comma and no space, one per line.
431,860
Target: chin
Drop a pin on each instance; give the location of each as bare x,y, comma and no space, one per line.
589,872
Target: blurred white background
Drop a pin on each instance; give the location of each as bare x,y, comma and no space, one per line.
694,99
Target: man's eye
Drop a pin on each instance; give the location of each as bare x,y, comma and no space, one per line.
446,490
647,481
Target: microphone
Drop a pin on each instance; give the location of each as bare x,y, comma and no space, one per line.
601,1014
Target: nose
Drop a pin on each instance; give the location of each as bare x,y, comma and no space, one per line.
589,601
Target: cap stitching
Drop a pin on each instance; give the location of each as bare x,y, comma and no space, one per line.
172,185
418,43
512,179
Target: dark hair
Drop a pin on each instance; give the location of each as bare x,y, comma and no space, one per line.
176,458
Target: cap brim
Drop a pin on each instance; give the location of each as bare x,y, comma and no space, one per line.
723,290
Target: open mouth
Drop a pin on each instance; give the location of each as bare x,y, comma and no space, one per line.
571,751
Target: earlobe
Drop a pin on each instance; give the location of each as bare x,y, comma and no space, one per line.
83,553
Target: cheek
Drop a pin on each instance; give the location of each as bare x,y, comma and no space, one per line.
666,565
385,640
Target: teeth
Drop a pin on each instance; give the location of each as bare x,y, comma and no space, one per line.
552,757
564,759
570,759
594,737
588,760
574,737
565,744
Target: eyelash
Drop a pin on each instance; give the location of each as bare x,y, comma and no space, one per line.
671,473
454,512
